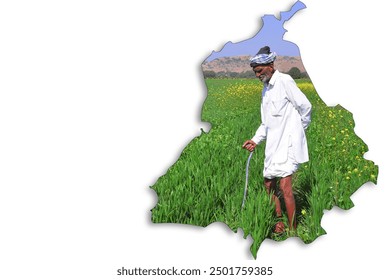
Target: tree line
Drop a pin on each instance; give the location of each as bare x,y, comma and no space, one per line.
294,72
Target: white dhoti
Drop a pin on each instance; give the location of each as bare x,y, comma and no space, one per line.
281,169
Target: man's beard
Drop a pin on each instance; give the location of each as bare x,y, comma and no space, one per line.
264,78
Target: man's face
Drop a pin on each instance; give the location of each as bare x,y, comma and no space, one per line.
264,72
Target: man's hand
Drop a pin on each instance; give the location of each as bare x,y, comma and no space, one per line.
249,145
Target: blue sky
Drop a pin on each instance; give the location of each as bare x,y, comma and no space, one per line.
270,34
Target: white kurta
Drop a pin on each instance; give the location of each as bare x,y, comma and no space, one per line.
285,114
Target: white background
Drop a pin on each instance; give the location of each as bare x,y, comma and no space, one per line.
98,99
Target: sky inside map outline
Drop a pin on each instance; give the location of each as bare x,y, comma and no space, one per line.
270,34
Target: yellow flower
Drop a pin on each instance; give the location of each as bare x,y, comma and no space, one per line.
303,212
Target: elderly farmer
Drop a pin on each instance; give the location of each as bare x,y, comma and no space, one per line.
285,114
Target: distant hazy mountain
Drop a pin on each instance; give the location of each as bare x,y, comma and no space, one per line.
241,64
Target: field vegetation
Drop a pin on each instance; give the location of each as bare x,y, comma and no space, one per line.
206,184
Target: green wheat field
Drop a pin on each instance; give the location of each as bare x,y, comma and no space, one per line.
207,183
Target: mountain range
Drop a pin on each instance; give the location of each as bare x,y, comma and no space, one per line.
240,64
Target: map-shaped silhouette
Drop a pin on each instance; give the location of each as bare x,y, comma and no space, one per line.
206,184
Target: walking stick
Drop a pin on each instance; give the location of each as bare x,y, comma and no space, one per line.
246,179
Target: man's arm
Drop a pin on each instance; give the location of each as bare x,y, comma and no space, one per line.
260,135
299,101
249,145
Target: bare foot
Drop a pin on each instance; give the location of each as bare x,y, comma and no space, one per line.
279,227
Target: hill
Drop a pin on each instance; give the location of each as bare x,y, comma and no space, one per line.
240,64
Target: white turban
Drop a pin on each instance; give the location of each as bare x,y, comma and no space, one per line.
263,58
